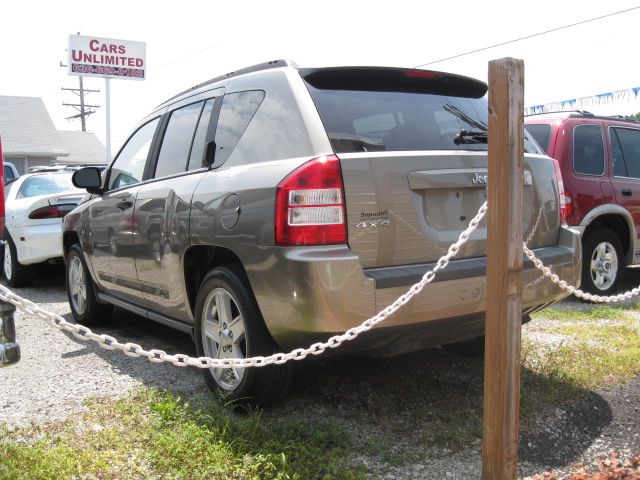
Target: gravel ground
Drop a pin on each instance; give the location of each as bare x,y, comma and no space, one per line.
387,404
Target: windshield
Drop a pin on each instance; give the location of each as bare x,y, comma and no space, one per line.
361,121
46,185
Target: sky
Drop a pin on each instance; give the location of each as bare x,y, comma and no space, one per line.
188,42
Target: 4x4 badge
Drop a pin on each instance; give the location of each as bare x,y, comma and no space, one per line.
373,224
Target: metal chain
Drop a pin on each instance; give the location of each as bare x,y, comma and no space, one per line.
159,356
573,290
180,360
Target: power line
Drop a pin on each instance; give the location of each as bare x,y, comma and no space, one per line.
530,36
192,54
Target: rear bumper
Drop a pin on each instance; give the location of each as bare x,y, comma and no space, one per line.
322,291
37,243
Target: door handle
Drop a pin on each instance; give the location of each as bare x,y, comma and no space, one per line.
124,204
626,192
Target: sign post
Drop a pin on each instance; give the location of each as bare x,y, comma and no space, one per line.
504,270
107,110
107,58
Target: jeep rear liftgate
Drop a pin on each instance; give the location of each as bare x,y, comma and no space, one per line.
412,147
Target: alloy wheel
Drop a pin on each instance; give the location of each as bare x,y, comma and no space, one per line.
77,285
8,261
604,265
223,336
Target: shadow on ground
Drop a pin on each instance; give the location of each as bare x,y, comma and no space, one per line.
398,409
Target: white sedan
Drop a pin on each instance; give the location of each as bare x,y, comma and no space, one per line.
35,205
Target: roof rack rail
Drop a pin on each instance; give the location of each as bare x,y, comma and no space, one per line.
584,113
580,112
242,71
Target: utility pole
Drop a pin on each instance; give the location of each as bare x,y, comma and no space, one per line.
81,107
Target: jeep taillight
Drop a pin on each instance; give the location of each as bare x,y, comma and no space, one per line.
564,199
310,208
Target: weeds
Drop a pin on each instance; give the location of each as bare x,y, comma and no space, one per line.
156,435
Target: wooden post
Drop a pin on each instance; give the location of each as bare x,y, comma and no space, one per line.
504,270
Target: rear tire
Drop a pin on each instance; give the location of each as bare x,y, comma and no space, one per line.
85,307
14,273
228,324
602,262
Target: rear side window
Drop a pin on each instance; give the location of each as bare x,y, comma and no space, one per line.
197,150
176,144
235,114
588,150
541,132
625,145
362,121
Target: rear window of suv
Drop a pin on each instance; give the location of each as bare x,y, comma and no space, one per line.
360,121
388,117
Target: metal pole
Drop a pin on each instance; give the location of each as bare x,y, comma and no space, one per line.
107,100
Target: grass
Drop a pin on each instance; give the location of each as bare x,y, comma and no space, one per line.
155,435
590,312
390,410
601,347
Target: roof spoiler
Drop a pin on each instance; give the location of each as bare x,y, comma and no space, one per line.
387,79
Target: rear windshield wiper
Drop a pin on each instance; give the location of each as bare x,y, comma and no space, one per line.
470,136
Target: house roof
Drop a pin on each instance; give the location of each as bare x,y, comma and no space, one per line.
83,147
27,129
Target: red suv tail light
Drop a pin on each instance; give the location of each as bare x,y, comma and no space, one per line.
310,208
52,211
564,200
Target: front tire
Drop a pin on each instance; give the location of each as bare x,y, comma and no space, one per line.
602,262
229,325
85,308
14,273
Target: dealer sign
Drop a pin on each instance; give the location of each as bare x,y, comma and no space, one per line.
106,57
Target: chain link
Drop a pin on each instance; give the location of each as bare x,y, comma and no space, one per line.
546,271
158,356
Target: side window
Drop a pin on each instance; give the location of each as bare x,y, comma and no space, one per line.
628,151
176,144
617,158
128,168
236,112
197,150
588,150
541,132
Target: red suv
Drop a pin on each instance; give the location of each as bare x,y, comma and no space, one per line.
599,158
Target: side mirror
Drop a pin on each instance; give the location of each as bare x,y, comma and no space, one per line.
88,178
210,153
9,349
